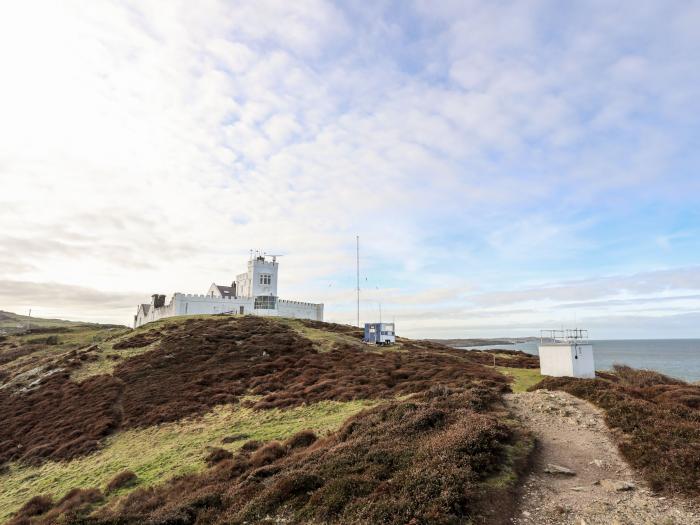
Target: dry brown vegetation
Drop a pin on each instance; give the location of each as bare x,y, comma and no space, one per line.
139,340
659,418
503,357
69,509
125,478
60,419
213,361
422,460
422,456
206,362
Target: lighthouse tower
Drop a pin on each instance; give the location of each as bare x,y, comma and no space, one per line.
566,353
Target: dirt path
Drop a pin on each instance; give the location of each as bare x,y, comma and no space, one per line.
604,490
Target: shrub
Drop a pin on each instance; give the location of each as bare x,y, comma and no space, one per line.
35,506
301,439
421,460
124,479
267,454
217,455
660,418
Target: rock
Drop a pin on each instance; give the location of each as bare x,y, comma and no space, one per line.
558,469
578,489
612,485
598,463
526,514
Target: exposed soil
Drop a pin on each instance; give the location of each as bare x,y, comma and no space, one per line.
571,433
658,418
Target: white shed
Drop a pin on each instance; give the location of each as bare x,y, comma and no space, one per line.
566,353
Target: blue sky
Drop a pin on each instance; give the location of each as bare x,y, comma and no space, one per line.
509,166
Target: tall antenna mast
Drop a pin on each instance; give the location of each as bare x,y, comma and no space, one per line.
358,281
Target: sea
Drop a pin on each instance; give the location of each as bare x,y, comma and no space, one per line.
678,358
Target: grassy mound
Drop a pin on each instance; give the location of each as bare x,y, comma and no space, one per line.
423,460
158,453
201,363
178,399
659,418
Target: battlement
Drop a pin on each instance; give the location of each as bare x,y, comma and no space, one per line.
300,303
206,297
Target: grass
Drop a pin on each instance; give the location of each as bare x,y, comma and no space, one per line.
323,340
426,447
523,378
517,455
423,460
104,364
25,358
158,453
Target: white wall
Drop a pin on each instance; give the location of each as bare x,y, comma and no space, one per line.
584,366
567,360
192,304
299,310
263,267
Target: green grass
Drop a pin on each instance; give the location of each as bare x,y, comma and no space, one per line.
16,322
105,365
516,458
523,378
323,340
156,454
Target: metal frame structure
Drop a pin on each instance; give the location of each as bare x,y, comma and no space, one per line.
567,336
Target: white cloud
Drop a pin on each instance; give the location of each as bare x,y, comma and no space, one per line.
148,145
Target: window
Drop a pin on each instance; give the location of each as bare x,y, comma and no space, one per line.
265,278
265,302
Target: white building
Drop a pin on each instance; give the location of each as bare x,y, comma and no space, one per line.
566,353
253,292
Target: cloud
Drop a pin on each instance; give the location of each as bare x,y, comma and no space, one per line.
475,147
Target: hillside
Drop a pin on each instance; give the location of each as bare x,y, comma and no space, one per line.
11,323
234,419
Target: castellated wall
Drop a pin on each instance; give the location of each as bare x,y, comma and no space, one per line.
299,310
193,304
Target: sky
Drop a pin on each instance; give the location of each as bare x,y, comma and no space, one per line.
508,166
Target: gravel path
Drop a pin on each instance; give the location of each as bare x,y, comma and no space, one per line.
601,488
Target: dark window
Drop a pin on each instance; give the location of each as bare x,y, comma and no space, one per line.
265,302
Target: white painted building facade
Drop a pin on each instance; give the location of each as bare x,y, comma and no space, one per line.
253,292
566,353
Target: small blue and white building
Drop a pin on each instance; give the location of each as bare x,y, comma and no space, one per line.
380,333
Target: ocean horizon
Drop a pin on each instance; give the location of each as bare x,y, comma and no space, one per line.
679,358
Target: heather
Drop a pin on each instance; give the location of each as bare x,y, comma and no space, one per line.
138,420
658,418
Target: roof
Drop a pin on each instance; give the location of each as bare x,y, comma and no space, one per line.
225,291
145,308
